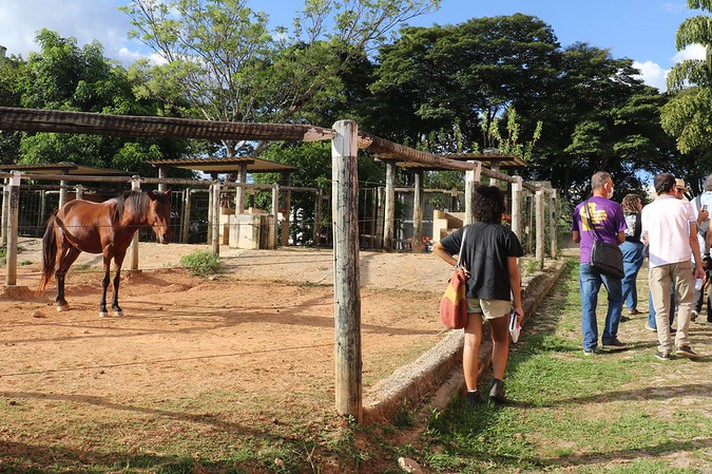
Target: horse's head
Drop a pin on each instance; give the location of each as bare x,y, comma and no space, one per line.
159,215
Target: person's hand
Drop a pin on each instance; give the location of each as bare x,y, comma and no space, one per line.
465,271
520,314
703,215
700,273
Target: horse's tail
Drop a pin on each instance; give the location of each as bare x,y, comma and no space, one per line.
49,255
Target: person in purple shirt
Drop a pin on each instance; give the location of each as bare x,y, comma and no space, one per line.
609,222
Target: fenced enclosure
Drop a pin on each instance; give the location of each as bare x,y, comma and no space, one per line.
346,141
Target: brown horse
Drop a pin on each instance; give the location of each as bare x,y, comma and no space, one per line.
106,228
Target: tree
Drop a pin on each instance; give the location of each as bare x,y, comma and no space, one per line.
64,76
229,66
688,114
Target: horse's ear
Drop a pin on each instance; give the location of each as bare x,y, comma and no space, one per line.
168,193
150,195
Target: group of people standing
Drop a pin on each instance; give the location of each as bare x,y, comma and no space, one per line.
666,230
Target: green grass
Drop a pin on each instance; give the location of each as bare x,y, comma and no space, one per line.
567,411
201,263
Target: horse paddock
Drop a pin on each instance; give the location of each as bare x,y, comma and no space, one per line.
223,368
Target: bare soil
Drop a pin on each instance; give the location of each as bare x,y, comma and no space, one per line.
235,355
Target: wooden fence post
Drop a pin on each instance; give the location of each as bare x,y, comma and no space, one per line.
215,224
380,213
472,180
135,186
62,192
317,219
553,216
516,208
12,231
185,230
5,209
275,212
540,226
418,198
239,190
161,175
347,297
79,191
390,207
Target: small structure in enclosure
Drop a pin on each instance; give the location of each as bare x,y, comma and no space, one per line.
239,226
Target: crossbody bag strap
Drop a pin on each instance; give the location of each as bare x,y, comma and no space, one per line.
590,222
462,245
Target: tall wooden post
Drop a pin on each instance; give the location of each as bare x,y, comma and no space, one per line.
212,216
418,195
347,297
239,190
540,226
275,212
62,192
472,180
552,224
5,209
135,186
187,202
161,175
215,224
390,213
79,191
380,213
515,207
43,210
317,219
12,231
287,212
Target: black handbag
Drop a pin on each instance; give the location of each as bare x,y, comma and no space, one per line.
606,258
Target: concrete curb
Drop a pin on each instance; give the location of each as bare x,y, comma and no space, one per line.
438,372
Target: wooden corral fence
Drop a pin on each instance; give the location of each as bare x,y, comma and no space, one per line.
346,141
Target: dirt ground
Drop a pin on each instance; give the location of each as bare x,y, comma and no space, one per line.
260,330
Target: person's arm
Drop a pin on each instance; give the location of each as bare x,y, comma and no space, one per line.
695,245
440,251
576,236
621,237
514,283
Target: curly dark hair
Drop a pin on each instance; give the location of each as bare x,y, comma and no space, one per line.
630,203
488,205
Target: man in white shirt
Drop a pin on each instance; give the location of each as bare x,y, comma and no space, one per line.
669,226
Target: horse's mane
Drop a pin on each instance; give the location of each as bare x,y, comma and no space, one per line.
132,199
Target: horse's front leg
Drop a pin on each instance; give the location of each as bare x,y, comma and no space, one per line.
105,284
118,261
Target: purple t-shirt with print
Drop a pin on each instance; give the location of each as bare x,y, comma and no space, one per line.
608,219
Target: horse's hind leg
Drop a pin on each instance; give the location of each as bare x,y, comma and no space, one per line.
65,259
105,284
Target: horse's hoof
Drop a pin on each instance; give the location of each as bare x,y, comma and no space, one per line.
118,314
103,314
64,307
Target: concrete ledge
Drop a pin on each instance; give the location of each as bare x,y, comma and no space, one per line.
437,373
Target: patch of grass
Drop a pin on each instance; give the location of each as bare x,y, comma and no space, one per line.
201,263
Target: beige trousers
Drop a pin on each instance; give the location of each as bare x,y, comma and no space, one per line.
661,279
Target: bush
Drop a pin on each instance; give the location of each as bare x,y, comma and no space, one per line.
201,263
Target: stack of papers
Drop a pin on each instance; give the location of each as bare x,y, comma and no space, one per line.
514,327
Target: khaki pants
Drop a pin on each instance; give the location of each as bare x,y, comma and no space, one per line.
661,279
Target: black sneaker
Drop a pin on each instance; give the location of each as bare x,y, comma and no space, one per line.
615,345
496,394
662,355
686,351
624,319
473,398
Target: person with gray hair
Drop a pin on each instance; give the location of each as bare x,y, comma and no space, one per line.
599,218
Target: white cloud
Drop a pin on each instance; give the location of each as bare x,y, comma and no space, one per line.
693,51
652,74
85,20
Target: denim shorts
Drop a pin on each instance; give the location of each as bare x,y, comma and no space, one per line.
490,309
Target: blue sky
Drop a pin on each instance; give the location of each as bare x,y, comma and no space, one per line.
642,30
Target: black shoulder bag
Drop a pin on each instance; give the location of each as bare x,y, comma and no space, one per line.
606,258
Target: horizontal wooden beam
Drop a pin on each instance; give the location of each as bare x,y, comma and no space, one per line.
60,121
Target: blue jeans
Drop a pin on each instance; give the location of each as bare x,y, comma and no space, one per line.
651,314
590,281
632,261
